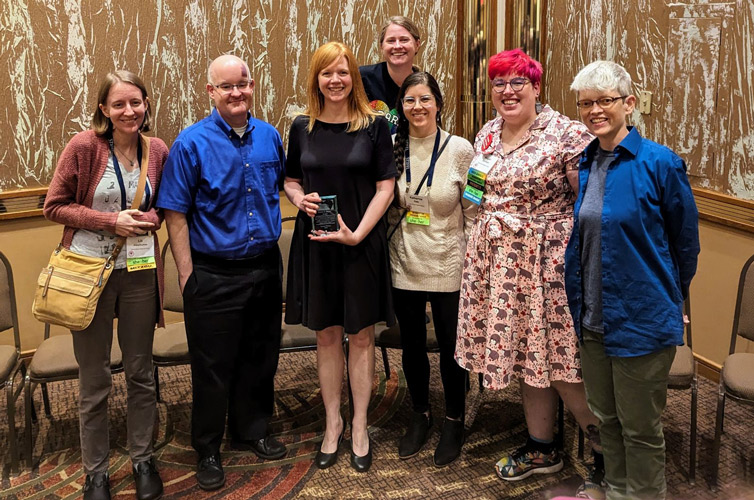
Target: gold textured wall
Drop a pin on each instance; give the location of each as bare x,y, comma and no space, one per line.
54,53
696,59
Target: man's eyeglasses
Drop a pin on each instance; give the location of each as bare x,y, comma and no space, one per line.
517,84
227,88
604,102
425,100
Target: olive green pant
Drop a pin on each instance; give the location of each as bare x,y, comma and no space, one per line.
628,396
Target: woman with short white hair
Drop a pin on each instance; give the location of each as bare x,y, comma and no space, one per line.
629,263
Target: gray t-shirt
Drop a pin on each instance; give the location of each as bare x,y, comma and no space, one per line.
107,199
590,227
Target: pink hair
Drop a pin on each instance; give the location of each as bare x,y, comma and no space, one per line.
515,62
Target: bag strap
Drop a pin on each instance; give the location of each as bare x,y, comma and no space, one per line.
139,192
439,153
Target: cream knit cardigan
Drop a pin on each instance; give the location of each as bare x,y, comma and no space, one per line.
430,258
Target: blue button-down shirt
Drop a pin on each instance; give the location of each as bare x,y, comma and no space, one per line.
649,241
228,186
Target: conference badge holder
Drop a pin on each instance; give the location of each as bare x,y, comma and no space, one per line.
477,178
419,210
140,253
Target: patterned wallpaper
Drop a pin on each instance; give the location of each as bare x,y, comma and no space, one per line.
696,57
54,53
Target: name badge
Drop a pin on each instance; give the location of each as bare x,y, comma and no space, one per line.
476,178
419,210
140,252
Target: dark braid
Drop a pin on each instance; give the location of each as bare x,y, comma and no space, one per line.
401,134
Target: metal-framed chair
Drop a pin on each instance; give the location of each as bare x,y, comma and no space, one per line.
737,374
54,361
683,376
293,338
389,337
170,346
11,364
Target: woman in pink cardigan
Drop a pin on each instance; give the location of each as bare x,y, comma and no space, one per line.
91,194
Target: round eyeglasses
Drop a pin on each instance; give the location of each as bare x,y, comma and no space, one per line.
424,101
517,84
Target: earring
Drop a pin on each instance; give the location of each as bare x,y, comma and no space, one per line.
538,106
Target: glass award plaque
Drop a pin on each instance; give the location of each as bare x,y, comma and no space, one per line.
326,218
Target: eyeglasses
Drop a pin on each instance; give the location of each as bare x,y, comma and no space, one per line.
424,101
517,84
227,88
604,102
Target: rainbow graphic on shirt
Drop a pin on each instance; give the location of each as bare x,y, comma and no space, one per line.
391,115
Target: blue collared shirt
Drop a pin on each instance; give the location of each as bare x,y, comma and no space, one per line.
650,244
228,186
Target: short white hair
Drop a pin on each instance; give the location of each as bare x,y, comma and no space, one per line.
603,76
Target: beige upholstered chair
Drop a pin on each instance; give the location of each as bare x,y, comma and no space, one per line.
54,361
737,374
683,375
293,338
10,356
170,347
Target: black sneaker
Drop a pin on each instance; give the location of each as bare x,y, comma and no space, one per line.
97,486
209,473
416,435
147,480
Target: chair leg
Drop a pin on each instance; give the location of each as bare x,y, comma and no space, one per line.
46,400
581,443
157,384
718,433
692,443
561,425
481,382
29,408
13,445
385,362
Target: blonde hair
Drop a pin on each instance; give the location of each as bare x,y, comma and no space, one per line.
360,114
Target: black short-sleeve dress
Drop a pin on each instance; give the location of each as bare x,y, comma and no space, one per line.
331,284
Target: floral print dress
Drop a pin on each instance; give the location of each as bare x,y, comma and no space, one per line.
513,315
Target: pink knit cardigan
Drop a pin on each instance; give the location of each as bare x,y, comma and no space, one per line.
69,197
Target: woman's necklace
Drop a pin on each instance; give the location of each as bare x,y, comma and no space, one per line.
132,162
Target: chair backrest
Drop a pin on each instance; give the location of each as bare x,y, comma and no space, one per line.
286,236
8,312
173,299
743,318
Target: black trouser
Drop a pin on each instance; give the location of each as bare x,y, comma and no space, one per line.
410,307
233,314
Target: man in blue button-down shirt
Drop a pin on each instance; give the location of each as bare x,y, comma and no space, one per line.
220,192
629,264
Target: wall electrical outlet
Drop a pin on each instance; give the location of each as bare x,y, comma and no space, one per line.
645,102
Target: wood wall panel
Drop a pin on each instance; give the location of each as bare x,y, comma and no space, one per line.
54,53
697,59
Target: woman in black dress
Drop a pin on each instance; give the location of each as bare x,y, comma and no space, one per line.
339,281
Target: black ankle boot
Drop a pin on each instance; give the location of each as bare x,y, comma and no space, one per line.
451,442
416,435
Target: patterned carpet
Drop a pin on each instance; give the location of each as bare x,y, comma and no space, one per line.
494,425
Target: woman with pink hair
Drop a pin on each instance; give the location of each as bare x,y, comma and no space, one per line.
513,317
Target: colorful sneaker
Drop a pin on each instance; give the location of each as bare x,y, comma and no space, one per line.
525,461
594,485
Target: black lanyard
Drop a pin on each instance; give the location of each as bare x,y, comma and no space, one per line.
430,171
119,175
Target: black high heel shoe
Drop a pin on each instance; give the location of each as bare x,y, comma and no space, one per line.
325,460
361,464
